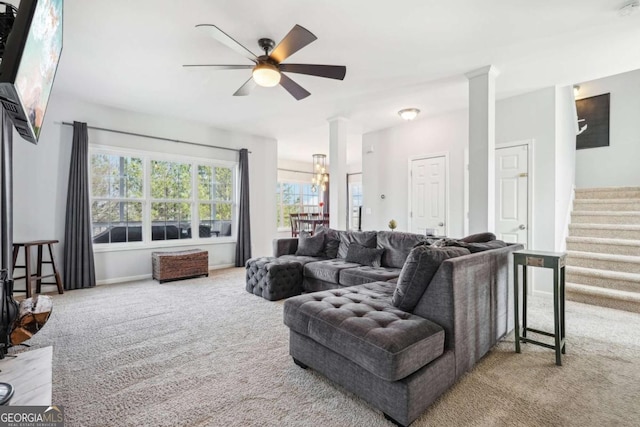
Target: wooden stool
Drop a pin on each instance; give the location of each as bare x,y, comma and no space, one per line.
27,266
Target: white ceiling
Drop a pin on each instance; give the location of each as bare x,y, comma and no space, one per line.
404,53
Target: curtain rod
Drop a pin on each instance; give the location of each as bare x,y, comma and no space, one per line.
296,171
156,137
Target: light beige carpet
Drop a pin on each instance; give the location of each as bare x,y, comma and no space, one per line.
204,352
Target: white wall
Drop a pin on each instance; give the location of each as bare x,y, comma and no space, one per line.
544,116
41,174
386,169
565,162
617,164
532,117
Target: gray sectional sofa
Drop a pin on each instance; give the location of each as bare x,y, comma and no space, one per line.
399,345
323,271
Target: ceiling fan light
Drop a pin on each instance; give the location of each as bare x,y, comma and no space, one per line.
408,113
266,75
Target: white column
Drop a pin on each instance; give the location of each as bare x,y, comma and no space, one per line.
482,149
338,173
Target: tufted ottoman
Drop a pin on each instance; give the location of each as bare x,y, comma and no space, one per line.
274,279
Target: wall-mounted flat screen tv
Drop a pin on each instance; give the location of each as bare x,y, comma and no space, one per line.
29,64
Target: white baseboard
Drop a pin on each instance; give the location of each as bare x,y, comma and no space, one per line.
221,266
123,279
148,276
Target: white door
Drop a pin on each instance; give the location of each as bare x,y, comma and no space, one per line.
512,164
428,195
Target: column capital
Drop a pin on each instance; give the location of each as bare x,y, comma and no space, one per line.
490,70
337,119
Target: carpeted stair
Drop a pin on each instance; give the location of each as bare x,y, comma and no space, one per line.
603,248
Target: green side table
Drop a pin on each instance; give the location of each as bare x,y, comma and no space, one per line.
555,261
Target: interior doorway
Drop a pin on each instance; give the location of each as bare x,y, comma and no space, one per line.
428,198
512,192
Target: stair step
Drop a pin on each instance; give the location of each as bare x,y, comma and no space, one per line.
604,245
605,217
621,300
614,231
606,204
608,193
620,263
621,281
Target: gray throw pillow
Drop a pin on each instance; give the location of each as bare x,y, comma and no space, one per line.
364,256
417,272
367,239
479,247
479,238
309,245
331,241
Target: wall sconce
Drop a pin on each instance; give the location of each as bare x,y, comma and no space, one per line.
576,91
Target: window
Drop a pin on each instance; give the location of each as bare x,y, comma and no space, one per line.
293,197
117,190
141,198
355,200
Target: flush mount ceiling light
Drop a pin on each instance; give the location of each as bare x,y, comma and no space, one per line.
409,113
266,75
629,8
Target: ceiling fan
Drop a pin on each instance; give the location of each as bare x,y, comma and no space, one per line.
268,69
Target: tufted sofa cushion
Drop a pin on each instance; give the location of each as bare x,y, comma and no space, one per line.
366,274
301,259
328,270
360,324
272,278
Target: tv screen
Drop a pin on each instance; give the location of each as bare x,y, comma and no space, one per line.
29,64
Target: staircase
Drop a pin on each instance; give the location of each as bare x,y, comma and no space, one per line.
603,248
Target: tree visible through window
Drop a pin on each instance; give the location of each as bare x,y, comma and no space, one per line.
117,190
178,195
292,197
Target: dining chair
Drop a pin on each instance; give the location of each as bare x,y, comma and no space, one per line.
295,224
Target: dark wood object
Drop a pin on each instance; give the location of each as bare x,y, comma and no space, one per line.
29,277
34,313
180,264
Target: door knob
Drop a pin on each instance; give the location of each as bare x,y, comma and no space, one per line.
522,227
441,224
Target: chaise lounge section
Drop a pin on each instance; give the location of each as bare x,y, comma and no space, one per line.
401,346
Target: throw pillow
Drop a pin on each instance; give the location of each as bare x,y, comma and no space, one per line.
479,238
417,272
367,239
365,256
479,247
331,241
309,245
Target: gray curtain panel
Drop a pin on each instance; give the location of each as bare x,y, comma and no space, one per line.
79,270
243,247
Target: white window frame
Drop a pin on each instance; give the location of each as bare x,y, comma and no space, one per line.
302,205
194,201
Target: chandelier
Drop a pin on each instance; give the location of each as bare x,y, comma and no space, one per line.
320,175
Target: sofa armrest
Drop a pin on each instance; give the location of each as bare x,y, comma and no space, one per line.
470,298
286,246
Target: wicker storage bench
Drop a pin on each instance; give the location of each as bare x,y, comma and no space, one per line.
180,264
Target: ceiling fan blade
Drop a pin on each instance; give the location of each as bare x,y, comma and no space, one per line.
227,40
297,91
329,71
295,40
246,88
221,67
